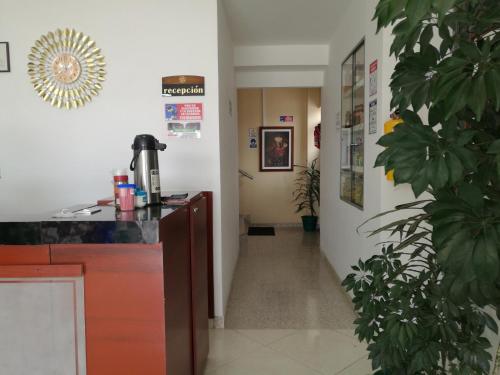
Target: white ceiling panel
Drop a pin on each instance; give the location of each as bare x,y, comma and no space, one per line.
270,22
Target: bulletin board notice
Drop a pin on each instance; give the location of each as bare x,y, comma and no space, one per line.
184,120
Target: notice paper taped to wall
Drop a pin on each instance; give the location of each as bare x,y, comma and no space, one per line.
184,120
252,142
372,129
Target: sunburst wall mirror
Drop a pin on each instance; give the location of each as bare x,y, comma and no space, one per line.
66,68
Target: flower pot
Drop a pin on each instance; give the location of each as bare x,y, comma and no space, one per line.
309,223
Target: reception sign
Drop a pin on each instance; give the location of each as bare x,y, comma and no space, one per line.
183,86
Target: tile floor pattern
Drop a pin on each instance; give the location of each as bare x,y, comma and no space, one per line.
286,352
284,282
287,313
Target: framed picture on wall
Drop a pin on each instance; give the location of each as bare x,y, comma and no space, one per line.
276,149
4,57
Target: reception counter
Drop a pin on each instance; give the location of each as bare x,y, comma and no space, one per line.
125,292
106,226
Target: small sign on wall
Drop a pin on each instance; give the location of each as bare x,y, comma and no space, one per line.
373,77
372,128
252,142
286,118
184,111
184,120
184,130
252,138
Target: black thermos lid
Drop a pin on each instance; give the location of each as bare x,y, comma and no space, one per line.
147,142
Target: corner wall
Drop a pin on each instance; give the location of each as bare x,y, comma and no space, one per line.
340,241
228,136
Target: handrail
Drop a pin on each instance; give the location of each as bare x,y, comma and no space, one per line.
246,174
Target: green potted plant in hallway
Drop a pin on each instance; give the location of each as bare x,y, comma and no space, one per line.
423,301
306,195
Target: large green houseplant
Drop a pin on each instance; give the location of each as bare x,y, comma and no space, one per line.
422,300
306,194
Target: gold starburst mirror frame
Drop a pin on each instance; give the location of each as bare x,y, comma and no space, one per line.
66,68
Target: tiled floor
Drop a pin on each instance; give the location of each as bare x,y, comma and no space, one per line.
284,282
287,313
286,352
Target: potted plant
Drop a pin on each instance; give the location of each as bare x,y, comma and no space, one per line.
423,300
306,194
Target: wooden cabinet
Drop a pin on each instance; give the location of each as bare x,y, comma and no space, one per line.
174,236
147,306
199,287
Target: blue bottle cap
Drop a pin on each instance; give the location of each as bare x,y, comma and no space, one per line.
126,186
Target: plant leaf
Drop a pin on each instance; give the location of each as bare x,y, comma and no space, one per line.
494,147
485,257
477,98
443,6
416,10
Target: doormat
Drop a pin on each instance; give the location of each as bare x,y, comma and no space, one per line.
261,231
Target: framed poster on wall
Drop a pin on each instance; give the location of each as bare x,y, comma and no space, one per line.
276,149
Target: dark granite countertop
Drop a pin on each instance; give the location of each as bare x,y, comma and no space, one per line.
106,226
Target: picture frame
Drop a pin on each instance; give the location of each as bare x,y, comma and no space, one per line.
276,149
4,57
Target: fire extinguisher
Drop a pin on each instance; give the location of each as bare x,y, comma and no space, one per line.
388,128
317,136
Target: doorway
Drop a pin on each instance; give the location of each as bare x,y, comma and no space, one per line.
266,193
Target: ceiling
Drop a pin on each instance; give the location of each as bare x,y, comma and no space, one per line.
269,22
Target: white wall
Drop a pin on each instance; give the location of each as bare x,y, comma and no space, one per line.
341,243
228,157
277,78
282,55
51,158
280,65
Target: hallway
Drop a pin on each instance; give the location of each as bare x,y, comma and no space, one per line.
287,313
284,282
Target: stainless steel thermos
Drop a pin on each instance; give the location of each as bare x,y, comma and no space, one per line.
145,166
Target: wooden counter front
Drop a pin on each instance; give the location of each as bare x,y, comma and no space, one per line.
146,305
124,315
24,254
